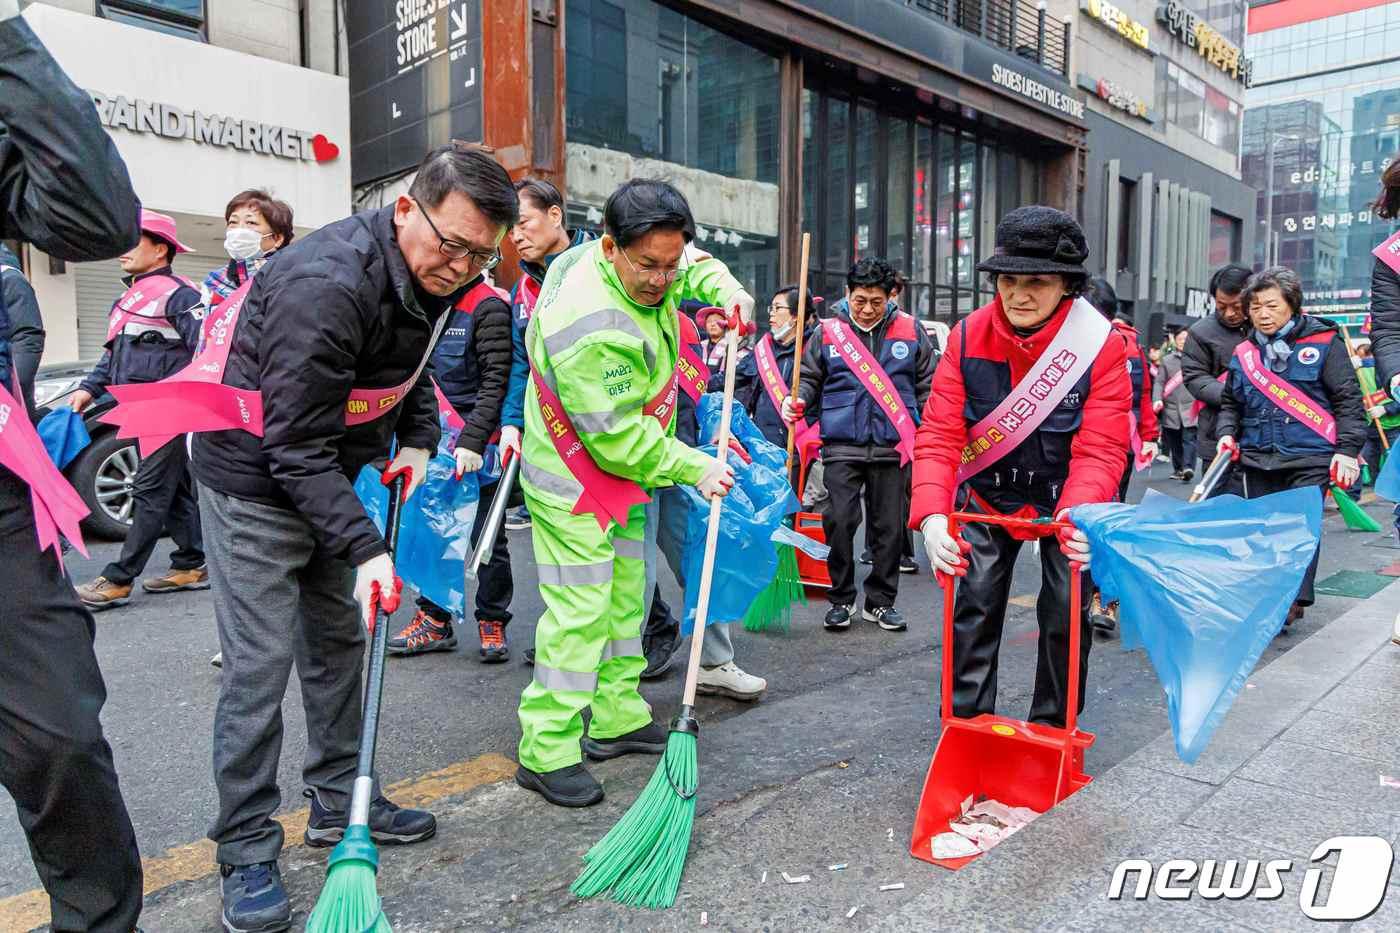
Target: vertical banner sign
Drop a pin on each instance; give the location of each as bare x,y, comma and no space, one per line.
415,81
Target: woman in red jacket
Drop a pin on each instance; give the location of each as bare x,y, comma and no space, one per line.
1028,417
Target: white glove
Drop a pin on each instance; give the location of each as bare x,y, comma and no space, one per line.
746,303
376,575
1149,450
1073,543
468,461
717,481
1345,470
792,410
944,551
1376,411
410,460
1227,445
1356,362
510,442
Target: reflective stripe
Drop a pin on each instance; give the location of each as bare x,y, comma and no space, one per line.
554,679
576,574
601,422
602,319
627,547
623,648
565,487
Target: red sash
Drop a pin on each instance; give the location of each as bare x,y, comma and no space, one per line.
196,400
1389,252
139,302
529,294
692,371
1172,385
809,433
1291,400
1070,355
605,496
57,507
876,381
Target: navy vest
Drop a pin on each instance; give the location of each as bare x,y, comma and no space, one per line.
453,362
849,415
1035,472
1264,427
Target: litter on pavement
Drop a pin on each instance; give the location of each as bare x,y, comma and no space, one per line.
1388,781
800,879
852,912
839,866
982,825
897,886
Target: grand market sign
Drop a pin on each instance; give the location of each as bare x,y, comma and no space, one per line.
1196,33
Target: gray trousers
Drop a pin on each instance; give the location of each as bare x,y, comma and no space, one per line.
666,529
278,599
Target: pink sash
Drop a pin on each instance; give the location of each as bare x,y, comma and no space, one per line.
140,297
876,381
606,496
1140,462
1389,252
1070,355
57,507
196,400
447,412
1172,385
809,433
692,371
1290,399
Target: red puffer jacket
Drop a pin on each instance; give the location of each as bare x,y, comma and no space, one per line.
1140,378
1096,448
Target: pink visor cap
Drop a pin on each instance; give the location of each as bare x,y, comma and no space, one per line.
162,226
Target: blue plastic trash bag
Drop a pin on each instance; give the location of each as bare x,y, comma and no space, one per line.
435,527
1203,588
746,557
64,435
1388,480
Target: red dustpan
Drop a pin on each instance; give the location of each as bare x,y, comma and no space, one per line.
1018,763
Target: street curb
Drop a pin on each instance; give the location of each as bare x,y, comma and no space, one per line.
1054,874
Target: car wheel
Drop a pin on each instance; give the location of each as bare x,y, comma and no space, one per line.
103,475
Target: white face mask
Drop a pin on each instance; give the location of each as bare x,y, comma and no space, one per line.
243,243
780,334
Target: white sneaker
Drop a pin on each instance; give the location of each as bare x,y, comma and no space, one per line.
728,680
1394,636
217,660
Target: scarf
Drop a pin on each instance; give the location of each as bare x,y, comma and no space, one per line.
1277,350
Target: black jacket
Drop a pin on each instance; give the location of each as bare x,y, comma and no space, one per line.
1209,347
814,369
334,311
1343,400
1385,323
62,185
25,328
751,393
473,369
149,357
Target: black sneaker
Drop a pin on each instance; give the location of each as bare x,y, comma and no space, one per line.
389,824
564,787
1177,475
865,557
908,565
887,617
659,648
254,899
495,647
648,740
517,519
421,635
1187,475
529,655
838,618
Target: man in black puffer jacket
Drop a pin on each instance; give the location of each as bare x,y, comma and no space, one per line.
1210,345
336,333
472,367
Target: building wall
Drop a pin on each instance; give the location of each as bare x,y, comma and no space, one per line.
266,28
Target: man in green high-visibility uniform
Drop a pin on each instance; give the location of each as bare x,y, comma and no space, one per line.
599,433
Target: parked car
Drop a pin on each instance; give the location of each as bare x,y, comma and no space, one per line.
103,473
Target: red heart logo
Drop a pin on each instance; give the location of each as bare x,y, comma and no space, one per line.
323,149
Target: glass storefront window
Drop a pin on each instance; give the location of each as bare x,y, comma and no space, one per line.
838,194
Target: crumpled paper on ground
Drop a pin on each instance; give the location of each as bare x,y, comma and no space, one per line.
982,825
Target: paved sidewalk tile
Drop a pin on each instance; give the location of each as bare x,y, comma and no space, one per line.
1284,820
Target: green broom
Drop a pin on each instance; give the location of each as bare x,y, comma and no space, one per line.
771,609
639,862
349,901
1352,513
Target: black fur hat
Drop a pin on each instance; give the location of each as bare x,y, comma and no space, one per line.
1038,239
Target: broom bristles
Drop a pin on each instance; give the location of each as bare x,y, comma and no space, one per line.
771,609
1353,514
349,901
639,862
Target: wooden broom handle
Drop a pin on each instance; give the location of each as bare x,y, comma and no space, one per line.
1346,338
707,566
797,347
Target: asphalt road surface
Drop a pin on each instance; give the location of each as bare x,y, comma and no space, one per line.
825,770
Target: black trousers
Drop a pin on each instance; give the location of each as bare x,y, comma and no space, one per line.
1180,444
54,760
495,587
880,486
1259,483
165,499
979,614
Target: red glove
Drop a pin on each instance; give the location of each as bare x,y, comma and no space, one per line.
1074,544
793,410
379,600
1229,445
736,448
